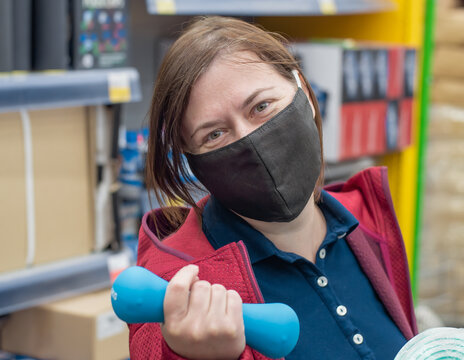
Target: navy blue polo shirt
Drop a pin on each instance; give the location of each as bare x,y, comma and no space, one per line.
340,315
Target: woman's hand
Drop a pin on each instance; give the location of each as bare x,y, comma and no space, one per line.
202,321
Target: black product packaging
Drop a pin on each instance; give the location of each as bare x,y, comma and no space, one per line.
6,35
100,34
351,76
50,35
409,72
22,21
366,74
381,73
392,124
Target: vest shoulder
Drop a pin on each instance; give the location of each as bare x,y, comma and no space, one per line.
163,245
367,196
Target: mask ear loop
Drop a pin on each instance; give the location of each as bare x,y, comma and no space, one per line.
296,74
297,78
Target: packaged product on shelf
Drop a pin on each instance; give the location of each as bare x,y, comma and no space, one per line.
100,34
50,35
6,36
45,189
15,35
84,327
9,356
79,34
131,175
130,193
22,24
369,95
102,129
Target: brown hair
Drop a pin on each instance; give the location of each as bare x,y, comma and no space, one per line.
187,59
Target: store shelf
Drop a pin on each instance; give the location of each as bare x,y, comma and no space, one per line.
41,284
267,7
69,88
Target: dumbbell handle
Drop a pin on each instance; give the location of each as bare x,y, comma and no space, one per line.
137,296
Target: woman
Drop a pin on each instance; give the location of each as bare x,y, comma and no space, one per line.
233,100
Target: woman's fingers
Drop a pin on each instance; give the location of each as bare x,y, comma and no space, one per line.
234,303
176,300
202,321
234,311
218,300
200,297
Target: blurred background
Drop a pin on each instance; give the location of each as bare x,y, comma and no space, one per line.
76,79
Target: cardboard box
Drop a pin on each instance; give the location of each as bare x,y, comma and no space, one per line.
449,28
444,6
80,328
101,120
449,61
442,249
13,245
369,95
448,91
63,194
446,122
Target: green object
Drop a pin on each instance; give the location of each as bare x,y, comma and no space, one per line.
428,48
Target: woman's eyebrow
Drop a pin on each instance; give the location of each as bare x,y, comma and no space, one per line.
205,125
255,93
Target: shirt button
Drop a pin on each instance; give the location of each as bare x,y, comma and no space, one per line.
358,339
322,281
342,235
322,253
341,310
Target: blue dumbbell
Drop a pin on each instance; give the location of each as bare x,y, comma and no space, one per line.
137,297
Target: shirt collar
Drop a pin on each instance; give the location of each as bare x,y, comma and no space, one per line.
340,222
222,227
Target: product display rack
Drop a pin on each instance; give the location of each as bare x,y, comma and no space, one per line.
403,26
266,7
41,284
69,88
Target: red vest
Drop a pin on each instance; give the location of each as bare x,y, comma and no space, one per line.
376,243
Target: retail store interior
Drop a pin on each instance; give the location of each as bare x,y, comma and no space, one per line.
76,90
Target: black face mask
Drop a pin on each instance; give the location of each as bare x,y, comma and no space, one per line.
269,174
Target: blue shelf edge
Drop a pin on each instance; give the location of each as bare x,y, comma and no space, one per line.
65,89
40,284
267,7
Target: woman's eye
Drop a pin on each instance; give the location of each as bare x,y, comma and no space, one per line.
214,135
261,107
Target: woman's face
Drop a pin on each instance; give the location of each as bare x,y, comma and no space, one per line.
236,95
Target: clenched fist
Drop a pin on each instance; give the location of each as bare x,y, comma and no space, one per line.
202,321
